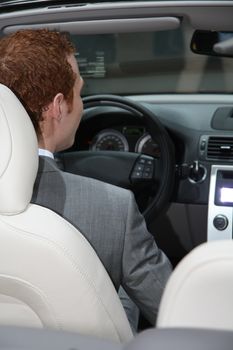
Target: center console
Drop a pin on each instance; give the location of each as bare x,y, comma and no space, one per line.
220,205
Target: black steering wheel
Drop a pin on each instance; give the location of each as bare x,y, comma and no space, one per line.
148,177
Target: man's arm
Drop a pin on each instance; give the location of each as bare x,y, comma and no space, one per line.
145,268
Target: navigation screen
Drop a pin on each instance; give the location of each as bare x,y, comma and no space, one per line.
224,188
226,195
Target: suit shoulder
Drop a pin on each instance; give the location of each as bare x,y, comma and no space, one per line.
97,185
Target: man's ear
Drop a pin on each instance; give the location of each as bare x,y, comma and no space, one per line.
57,106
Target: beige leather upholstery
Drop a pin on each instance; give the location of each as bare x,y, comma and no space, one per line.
199,293
49,274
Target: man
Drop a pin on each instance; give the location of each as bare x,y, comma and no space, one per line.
40,67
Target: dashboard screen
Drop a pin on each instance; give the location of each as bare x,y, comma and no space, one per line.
224,188
226,195
133,130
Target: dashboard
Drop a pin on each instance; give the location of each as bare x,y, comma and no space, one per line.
189,120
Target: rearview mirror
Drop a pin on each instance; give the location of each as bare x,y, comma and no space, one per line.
212,43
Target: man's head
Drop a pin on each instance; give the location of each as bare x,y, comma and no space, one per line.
40,68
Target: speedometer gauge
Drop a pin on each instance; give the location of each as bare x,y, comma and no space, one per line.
109,140
147,146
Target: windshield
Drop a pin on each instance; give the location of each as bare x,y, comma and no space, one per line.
149,62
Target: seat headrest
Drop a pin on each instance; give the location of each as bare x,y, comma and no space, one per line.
18,154
199,292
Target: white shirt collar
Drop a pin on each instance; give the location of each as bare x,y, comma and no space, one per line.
45,153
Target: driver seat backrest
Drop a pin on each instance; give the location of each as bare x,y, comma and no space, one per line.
199,293
50,276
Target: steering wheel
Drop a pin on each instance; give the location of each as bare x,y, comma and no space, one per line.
146,176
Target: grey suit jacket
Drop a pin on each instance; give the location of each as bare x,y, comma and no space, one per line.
110,220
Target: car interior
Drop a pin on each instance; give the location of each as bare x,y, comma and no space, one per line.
158,120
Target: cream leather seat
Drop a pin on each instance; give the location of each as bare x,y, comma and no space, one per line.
50,277
199,293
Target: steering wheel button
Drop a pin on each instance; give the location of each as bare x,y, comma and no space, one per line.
147,175
137,174
139,168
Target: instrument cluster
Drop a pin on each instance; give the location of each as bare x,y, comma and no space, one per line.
125,139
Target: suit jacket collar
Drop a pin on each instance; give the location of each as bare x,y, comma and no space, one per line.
47,164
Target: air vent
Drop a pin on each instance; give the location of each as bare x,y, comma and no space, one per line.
220,148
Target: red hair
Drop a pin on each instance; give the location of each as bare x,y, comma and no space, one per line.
33,64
